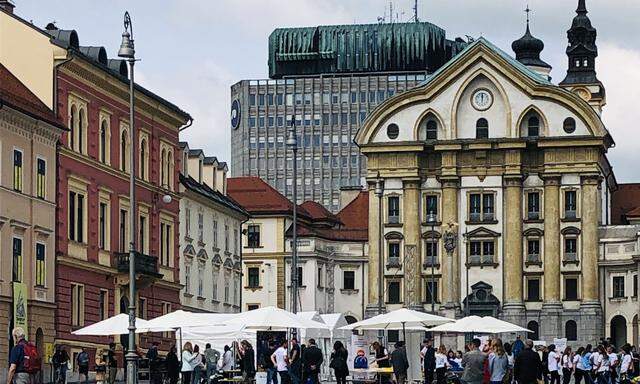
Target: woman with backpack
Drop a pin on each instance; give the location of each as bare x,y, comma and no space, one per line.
338,361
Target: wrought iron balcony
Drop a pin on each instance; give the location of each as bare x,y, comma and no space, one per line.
393,262
533,215
145,264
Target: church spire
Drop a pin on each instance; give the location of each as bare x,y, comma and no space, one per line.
528,48
581,53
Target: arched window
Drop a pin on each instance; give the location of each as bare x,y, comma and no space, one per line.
123,151
482,129
72,127
432,130
533,126
533,327
163,160
81,130
571,330
103,141
143,159
169,173
393,131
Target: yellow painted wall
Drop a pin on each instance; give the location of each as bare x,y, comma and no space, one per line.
29,55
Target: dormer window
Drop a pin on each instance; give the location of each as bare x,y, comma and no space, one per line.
585,63
482,129
578,63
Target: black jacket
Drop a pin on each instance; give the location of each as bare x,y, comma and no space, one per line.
430,359
399,361
312,359
248,366
527,367
339,361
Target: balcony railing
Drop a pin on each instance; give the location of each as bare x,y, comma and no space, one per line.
394,219
145,264
570,214
430,261
533,257
393,262
533,215
570,256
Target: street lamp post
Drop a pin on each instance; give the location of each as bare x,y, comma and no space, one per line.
379,192
127,52
292,142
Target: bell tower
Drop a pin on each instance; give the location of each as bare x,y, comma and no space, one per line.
582,52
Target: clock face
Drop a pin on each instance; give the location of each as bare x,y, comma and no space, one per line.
482,99
235,114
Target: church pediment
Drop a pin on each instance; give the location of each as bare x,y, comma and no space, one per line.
481,82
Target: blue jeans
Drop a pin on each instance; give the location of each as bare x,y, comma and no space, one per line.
272,375
211,368
294,374
195,379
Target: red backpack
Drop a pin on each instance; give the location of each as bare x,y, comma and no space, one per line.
32,362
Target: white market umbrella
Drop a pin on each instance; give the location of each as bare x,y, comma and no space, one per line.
116,325
182,319
477,324
402,318
267,318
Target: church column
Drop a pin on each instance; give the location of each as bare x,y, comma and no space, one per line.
450,284
374,252
589,263
552,240
412,249
513,244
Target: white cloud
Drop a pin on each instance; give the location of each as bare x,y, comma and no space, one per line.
618,70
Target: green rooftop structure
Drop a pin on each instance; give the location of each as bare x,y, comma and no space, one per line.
359,48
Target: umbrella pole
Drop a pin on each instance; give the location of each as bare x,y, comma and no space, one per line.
180,341
404,332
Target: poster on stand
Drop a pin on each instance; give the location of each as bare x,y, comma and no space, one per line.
358,344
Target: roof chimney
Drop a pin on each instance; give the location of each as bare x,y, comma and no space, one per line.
7,5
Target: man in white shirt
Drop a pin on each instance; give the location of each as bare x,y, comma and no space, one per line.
279,359
552,363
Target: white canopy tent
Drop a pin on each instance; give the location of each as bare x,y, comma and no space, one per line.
272,318
217,335
116,325
402,318
182,320
477,324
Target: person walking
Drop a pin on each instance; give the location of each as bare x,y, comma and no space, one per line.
498,363
82,360
187,357
613,364
527,368
338,361
567,365
197,365
626,365
173,365
553,366
473,363
602,366
211,357
20,369
247,360
312,361
279,359
112,362
267,364
587,365
101,366
518,346
294,360
441,364
399,362
428,354
60,362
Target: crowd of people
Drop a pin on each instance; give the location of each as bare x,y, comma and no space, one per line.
288,362
520,362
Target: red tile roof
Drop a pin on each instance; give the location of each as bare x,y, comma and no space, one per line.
356,213
258,197
16,95
624,201
318,212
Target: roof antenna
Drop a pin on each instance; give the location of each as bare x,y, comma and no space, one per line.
391,12
415,11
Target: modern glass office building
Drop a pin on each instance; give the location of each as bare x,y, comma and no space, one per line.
327,80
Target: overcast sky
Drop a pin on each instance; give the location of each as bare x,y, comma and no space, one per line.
192,51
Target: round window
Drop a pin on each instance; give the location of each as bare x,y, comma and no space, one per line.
569,125
393,131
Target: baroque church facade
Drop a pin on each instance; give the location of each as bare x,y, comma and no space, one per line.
486,188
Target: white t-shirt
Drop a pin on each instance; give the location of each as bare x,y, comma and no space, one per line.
441,360
613,359
604,363
595,360
577,362
626,363
553,361
567,362
280,355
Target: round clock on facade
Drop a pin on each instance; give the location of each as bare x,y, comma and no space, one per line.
482,99
235,114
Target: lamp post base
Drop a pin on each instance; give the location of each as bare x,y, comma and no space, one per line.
132,367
